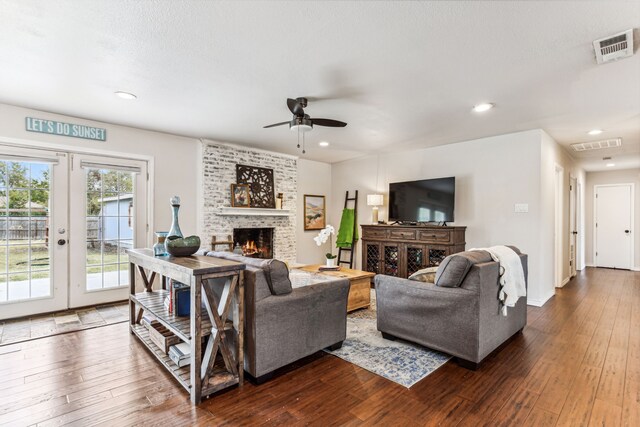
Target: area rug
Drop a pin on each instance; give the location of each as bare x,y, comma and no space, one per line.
399,361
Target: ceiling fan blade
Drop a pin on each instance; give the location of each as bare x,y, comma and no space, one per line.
295,107
329,122
275,124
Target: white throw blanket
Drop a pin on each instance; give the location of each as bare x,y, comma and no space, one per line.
512,281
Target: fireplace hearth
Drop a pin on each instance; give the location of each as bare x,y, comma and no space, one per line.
254,242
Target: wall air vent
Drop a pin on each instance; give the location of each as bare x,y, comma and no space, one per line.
614,47
597,145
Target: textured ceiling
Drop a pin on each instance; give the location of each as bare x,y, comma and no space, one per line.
403,75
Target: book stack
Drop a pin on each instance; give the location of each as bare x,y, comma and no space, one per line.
180,354
170,300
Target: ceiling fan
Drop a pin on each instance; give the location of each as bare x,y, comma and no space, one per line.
301,122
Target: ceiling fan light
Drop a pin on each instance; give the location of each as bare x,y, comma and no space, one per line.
302,128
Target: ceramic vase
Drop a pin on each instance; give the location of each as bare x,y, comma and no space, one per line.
331,262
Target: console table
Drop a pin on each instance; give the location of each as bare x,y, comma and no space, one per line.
401,250
206,374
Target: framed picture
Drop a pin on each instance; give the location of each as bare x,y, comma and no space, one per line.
314,212
240,196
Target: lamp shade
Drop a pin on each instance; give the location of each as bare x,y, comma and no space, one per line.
375,200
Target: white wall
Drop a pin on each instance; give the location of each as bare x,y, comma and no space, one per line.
313,178
612,177
492,174
174,158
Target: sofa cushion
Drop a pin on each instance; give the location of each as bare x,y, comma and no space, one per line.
452,271
454,268
278,277
275,271
425,275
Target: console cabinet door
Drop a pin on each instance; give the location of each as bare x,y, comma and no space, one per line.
414,259
435,255
391,254
372,257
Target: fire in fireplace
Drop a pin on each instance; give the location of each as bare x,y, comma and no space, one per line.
254,242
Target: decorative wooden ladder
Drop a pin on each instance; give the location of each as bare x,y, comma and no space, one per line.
348,199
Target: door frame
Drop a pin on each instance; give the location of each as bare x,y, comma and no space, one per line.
631,186
573,218
558,225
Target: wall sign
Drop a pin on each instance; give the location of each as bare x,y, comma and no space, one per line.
65,129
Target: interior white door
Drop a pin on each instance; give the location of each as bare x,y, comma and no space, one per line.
33,231
108,211
613,233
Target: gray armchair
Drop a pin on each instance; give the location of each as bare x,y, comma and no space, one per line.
281,324
464,321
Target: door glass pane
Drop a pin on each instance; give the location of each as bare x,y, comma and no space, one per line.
110,201
25,253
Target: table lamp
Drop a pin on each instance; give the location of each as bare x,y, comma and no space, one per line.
375,200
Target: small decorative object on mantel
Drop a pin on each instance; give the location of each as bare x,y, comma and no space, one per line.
159,248
279,200
321,238
240,196
175,244
314,212
260,182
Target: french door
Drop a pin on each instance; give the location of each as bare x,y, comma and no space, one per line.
108,211
66,221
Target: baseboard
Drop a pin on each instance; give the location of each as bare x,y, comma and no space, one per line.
539,302
636,268
564,282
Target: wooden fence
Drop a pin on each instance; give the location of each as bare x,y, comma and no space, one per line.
37,228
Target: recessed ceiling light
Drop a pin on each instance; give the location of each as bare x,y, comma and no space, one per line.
125,95
595,132
610,165
481,108
323,144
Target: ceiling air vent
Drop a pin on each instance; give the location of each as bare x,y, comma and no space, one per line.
614,47
597,145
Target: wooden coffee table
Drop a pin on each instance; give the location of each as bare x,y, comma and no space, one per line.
359,292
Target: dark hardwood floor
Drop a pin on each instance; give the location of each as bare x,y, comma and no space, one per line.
577,363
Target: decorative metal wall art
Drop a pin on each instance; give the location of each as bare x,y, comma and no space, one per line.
260,182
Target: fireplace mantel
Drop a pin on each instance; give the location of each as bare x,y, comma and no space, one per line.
227,211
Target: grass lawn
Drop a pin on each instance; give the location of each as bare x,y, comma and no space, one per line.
19,259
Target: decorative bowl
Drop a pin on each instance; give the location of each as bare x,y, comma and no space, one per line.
182,246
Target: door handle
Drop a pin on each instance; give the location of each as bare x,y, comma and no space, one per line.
627,231
574,232
61,242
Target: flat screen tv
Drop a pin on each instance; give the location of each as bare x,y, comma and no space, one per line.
427,200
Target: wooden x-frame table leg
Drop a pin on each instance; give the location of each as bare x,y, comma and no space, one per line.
218,313
148,283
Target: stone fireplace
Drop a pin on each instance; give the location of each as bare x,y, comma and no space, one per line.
219,162
254,242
